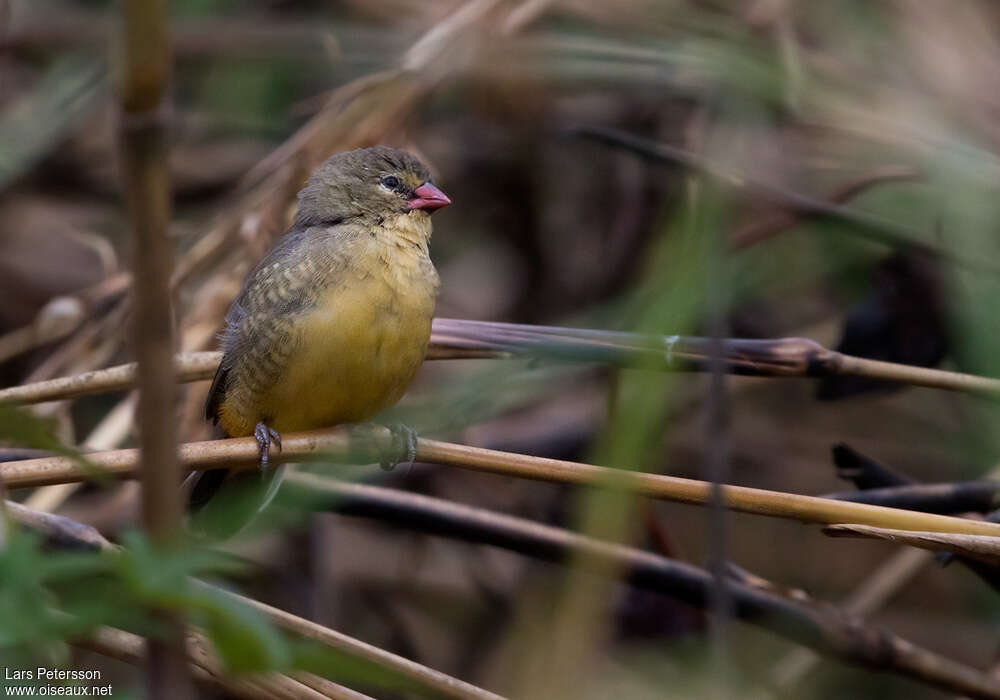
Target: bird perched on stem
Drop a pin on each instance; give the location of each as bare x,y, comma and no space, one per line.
333,324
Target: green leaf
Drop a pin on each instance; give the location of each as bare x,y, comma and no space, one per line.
20,426
244,638
28,430
350,670
159,575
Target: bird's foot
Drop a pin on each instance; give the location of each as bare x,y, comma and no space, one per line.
404,446
266,436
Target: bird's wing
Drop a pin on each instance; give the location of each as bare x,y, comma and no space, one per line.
284,283
216,394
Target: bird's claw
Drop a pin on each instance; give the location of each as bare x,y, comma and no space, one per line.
404,447
265,436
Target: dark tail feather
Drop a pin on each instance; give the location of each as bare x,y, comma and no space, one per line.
222,502
202,486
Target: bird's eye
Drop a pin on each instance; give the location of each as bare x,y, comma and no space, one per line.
392,182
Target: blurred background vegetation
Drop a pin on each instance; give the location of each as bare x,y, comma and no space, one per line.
892,104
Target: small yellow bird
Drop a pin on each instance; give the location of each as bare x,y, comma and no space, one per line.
333,324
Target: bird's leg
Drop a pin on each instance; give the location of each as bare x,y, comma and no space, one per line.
404,446
265,435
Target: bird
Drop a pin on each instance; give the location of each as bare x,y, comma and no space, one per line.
332,325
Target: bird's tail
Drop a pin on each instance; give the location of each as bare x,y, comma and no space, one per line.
221,502
200,487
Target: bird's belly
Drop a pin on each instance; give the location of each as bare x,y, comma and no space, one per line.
354,355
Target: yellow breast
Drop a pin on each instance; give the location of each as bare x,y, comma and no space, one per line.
358,349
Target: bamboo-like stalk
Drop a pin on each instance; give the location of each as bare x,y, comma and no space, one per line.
145,78
367,444
464,339
779,504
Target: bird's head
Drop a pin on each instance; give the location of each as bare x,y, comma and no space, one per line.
375,183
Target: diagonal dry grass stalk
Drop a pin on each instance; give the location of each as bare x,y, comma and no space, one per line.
206,669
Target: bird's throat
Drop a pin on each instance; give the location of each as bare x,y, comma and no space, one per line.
412,229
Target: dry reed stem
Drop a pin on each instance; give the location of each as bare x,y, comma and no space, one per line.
983,548
328,688
188,367
128,648
463,339
56,529
274,685
367,444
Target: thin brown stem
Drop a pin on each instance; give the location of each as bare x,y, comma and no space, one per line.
764,227
189,367
57,530
368,444
328,688
858,222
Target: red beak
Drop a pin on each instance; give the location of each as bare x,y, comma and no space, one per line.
429,198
